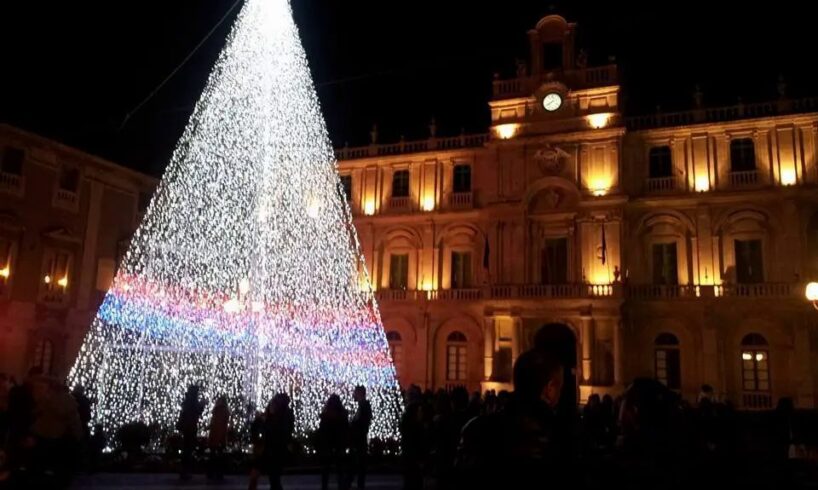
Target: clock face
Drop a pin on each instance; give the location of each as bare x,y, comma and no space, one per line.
551,102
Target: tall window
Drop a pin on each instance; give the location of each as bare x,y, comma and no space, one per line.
660,162
749,265
346,186
43,356
462,178
69,179
664,264
456,344
555,261
742,155
461,270
400,183
396,350
55,275
6,247
398,271
552,56
667,362
12,162
755,363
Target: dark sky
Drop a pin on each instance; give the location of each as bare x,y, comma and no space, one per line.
73,70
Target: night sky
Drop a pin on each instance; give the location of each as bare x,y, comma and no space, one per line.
72,71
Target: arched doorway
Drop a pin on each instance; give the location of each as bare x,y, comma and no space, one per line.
559,339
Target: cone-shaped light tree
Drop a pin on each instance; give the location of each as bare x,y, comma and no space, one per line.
245,276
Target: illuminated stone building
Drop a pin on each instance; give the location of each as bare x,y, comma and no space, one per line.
65,219
670,246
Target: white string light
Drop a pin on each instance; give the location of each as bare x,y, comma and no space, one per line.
244,275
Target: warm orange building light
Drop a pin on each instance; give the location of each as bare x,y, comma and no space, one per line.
599,121
63,282
428,203
506,131
788,176
702,183
5,272
369,207
47,279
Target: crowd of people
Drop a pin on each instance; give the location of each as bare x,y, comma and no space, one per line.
449,439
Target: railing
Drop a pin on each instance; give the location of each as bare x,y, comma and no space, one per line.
456,294
57,297
744,179
756,401
760,290
65,199
662,291
579,78
11,183
418,146
398,294
662,184
399,203
461,200
724,113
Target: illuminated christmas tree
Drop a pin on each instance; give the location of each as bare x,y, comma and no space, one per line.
245,276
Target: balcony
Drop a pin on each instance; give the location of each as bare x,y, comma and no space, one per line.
461,200
12,184
65,199
756,401
747,178
419,146
662,184
577,78
399,295
772,290
456,295
400,204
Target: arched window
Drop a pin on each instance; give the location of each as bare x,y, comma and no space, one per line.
755,363
396,350
456,357
44,356
667,361
742,155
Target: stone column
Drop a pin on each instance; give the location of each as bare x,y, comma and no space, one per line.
488,347
89,247
618,360
516,339
803,376
587,339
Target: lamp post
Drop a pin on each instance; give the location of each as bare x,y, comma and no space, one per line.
811,293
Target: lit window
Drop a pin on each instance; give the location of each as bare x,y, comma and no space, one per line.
396,350
755,363
667,361
56,272
43,356
461,270
398,271
456,357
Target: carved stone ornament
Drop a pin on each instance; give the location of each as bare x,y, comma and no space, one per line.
551,159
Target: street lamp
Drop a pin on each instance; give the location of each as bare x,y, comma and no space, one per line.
811,292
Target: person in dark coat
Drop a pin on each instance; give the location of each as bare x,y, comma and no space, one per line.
332,439
277,434
188,425
520,438
359,436
217,438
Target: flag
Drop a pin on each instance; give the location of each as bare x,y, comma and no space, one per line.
604,246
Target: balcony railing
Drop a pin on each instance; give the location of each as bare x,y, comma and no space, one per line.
12,183
400,203
461,200
662,184
456,294
756,401
774,290
579,78
398,295
760,290
747,178
65,199
418,146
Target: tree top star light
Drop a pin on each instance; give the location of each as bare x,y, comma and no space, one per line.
244,276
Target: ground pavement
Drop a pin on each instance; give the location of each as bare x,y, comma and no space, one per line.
110,481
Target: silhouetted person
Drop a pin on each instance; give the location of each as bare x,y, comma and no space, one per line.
57,433
96,445
19,441
188,425
278,428
217,438
519,439
84,408
359,436
593,420
333,433
413,440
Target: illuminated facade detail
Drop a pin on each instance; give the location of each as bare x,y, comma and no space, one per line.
581,214
243,277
